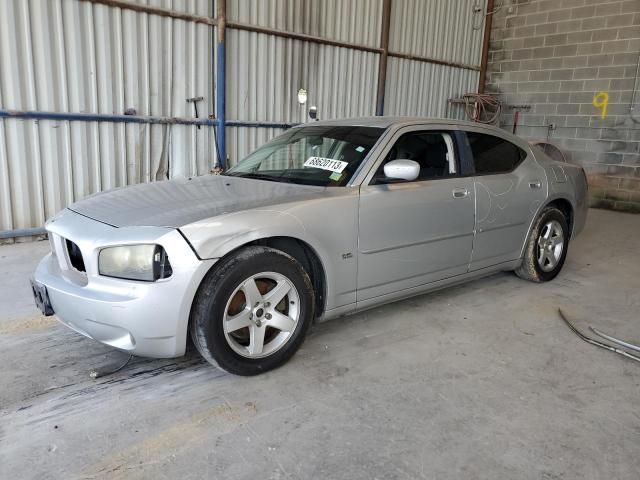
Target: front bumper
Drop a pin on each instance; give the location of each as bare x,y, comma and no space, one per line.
143,318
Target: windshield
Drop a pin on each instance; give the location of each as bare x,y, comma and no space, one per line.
326,156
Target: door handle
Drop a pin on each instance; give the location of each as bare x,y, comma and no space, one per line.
535,184
460,192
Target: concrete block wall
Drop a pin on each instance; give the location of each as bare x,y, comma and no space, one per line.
556,56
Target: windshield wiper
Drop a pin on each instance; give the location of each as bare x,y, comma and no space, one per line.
258,176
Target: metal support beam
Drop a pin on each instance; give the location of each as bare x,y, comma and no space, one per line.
300,36
128,4
382,66
482,81
435,61
163,12
221,84
103,117
23,232
352,46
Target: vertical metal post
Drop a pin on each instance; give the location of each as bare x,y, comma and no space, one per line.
485,46
384,45
221,83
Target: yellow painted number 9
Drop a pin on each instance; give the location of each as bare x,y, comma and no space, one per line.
601,101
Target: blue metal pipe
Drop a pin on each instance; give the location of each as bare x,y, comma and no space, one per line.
221,82
23,232
220,104
100,117
103,117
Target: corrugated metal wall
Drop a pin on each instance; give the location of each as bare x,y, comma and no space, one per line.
450,31
72,56
445,30
353,21
341,82
77,56
422,89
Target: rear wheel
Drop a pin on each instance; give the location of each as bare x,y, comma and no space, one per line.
546,248
252,311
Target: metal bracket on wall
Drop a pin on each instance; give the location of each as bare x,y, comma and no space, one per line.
516,114
550,128
478,17
195,101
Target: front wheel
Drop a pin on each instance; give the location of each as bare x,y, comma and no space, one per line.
252,311
546,248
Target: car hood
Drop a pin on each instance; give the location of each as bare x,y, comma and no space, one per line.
175,203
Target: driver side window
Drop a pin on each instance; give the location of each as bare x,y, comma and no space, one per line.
433,151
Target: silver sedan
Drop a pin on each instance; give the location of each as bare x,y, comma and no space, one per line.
327,219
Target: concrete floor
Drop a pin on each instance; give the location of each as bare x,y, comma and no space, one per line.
481,381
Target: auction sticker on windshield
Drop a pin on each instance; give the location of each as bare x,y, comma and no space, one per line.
330,164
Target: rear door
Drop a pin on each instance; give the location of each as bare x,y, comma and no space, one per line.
415,232
509,187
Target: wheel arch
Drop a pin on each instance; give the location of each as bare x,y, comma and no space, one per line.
561,203
308,258
303,252
565,206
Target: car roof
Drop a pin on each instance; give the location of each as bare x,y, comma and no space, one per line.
386,122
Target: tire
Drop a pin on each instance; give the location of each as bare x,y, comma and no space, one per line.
229,316
544,257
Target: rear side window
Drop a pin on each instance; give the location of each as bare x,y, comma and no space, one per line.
493,155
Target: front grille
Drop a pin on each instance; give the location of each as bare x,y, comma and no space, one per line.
75,256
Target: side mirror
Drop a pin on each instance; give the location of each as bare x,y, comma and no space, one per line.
402,169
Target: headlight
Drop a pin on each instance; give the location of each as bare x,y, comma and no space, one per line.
135,262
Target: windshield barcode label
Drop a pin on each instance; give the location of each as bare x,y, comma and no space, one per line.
330,164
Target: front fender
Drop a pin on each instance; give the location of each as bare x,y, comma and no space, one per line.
329,225
215,237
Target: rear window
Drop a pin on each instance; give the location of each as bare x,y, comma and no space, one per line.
493,155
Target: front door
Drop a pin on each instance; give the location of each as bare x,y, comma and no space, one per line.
415,232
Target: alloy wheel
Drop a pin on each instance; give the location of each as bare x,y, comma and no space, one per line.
261,315
550,245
